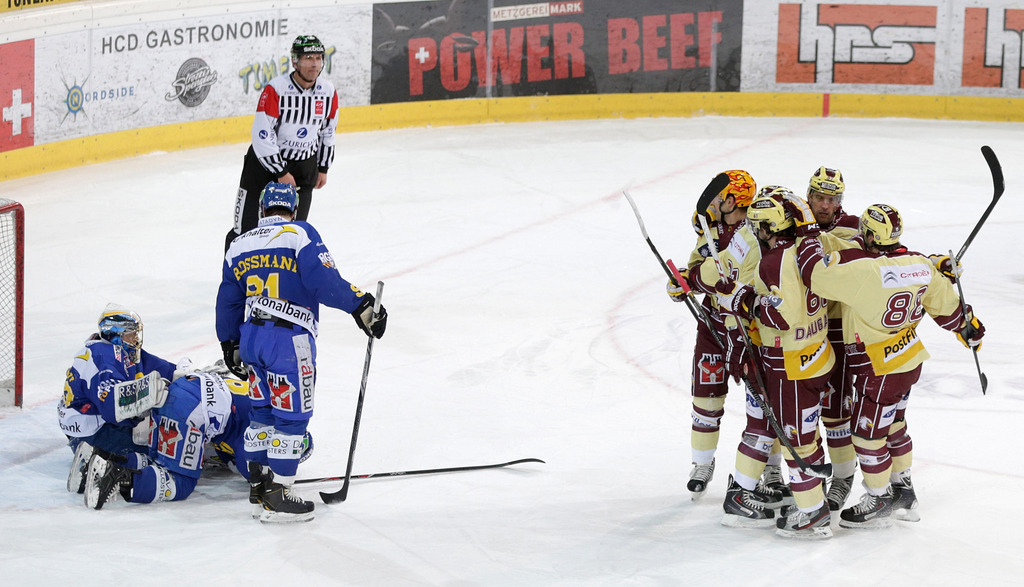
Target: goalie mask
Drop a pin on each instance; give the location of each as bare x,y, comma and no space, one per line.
883,222
122,327
279,196
767,212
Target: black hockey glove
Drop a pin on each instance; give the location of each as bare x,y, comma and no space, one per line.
231,359
372,325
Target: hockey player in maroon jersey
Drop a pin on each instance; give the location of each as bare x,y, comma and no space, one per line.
825,197
710,381
292,136
793,326
712,368
885,291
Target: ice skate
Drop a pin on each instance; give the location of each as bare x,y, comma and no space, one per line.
700,476
104,480
745,509
79,467
838,492
280,505
776,492
904,501
801,525
873,511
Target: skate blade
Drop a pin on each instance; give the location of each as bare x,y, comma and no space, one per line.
820,533
271,517
734,521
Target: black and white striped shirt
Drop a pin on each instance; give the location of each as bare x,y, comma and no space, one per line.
293,124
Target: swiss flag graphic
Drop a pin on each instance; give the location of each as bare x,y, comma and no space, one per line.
17,95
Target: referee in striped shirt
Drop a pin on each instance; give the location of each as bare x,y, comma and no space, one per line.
292,136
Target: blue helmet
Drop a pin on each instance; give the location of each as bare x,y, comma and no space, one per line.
122,327
278,195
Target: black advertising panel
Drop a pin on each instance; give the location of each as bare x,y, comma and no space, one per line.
477,49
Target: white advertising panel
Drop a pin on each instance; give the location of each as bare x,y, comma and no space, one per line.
149,74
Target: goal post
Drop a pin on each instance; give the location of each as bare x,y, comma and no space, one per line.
12,300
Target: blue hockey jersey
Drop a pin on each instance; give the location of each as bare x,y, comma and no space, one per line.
284,269
87,402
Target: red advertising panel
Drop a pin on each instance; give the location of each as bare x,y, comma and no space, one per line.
441,50
856,44
17,95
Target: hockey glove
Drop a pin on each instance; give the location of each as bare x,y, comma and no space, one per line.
141,431
803,218
735,297
708,214
184,367
945,266
232,360
971,332
372,325
735,353
677,293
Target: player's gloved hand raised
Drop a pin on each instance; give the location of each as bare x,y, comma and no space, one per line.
735,297
945,266
972,331
372,325
232,360
803,218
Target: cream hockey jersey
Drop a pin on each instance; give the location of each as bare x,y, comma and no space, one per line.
883,298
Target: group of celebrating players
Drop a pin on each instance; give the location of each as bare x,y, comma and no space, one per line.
815,310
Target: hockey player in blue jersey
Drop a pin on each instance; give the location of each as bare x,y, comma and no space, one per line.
112,365
202,411
275,277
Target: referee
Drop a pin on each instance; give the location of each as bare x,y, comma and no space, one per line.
292,136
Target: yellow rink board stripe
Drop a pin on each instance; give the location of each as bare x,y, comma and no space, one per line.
174,137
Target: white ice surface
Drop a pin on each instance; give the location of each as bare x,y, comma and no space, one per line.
528,318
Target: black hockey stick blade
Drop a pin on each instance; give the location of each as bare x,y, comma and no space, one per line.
419,472
998,186
710,192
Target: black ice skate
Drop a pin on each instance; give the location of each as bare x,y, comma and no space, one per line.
904,501
700,476
805,526
775,491
104,480
873,511
745,509
79,467
280,505
838,492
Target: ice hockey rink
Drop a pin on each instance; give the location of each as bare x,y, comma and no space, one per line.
528,319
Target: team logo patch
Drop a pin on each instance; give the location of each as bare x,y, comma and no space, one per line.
280,391
326,259
711,369
168,437
319,107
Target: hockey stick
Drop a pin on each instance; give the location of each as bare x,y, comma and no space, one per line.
823,470
717,184
421,471
997,192
963,308
342,493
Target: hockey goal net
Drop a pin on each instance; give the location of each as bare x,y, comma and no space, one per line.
12,300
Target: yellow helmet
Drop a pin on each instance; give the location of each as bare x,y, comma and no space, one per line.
741,187
767,211
884,222
827,181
